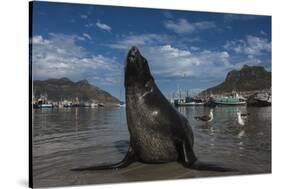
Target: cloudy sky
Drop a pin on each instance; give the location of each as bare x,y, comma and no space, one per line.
187,50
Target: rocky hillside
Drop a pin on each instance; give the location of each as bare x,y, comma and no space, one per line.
58,89
249,78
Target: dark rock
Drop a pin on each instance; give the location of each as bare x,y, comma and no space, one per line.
249,78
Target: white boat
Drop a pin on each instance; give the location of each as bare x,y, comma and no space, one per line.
191,104
96,105
187,102
45,106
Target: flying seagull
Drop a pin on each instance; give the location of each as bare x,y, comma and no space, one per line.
206,118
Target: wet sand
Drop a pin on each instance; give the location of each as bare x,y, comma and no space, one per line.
134,172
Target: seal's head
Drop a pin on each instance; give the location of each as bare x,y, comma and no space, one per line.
137,71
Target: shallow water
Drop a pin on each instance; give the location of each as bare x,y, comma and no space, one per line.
73,137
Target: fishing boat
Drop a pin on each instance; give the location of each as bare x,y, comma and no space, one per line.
188,101
96,105
43,102
260,99
183,103
45,105
100,104
37,106
122,104
224,100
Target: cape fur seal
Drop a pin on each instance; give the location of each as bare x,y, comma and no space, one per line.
158,132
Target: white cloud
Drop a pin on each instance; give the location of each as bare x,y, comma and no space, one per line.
251,46
174,52
167,62
89,25
139,40
84,16
87,36
239,17
59,56
168,14
184,26
204,25
193,48
257,45
103,26
37,39
263,33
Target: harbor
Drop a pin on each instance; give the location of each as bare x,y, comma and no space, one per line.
43,102
249,98
252,98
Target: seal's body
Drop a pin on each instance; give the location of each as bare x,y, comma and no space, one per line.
158,132
156,129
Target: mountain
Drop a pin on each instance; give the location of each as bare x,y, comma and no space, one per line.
249,78
64,88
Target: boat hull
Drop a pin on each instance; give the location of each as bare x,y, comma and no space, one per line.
230,101
230,104
190,104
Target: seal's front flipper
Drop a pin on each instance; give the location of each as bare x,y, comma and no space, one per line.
129,158
198,165
189,160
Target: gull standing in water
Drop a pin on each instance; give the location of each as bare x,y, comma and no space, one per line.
206,118
241,118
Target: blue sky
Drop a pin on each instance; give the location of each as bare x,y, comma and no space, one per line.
185,49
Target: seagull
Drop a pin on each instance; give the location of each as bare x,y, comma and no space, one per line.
241,134
241,118
206,118
244,115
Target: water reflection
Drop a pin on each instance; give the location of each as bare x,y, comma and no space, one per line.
225,136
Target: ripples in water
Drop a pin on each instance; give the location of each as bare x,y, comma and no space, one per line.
67,138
